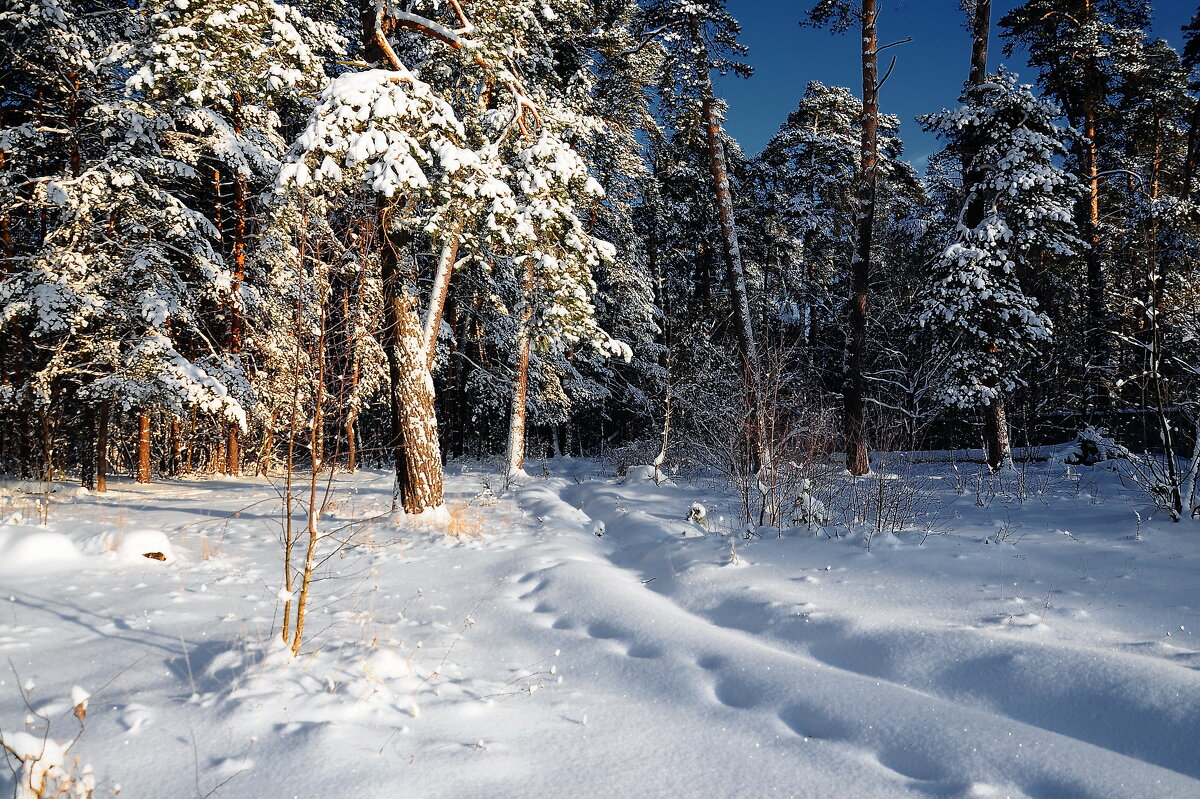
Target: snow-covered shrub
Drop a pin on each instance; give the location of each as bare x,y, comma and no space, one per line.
1171,482
806,508
1093,445
40,764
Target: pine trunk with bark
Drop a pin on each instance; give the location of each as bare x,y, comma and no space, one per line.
87,456
233,455
735,272
1091,101
175,466
143,448
1096,283
854,397
416,450
102,448
516,424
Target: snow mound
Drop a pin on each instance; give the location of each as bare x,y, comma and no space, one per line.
23,548
142,545
387,664
639,474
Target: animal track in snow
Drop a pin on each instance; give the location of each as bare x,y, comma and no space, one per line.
913,763
644,651
811,721
537,589
736,694
135,716
604,630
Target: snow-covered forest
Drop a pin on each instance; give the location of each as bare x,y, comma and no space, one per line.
464,327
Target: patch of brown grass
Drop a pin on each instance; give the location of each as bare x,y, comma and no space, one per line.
209,550
464,522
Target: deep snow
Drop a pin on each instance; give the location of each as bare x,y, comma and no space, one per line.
579,637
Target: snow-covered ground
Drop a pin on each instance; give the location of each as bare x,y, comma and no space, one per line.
578,637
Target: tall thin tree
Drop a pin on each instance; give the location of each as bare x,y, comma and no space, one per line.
840,16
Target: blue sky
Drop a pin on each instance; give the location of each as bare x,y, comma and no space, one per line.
928,75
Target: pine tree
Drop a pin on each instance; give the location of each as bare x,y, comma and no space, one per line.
218,70
1022,203
806,176
1155,225
439,162
55,98
1075,45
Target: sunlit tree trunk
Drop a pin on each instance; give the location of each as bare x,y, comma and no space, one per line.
516,427
439,291
735,269
143,448
102,447
415,448
860,266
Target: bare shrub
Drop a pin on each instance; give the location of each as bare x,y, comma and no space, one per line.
635,453
719,434
894,497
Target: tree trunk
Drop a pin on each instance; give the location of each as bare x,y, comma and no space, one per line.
664,336
87,455
981,29
415,448
350,315
267,453
860,266
46,470
439,291
1097,337
516,420
102,448
735,270
351,446
190,446
352,408
176,464
233,449
143,448
233,455
999,446
459,409
313,511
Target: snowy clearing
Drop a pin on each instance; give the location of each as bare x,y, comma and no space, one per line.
579,637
